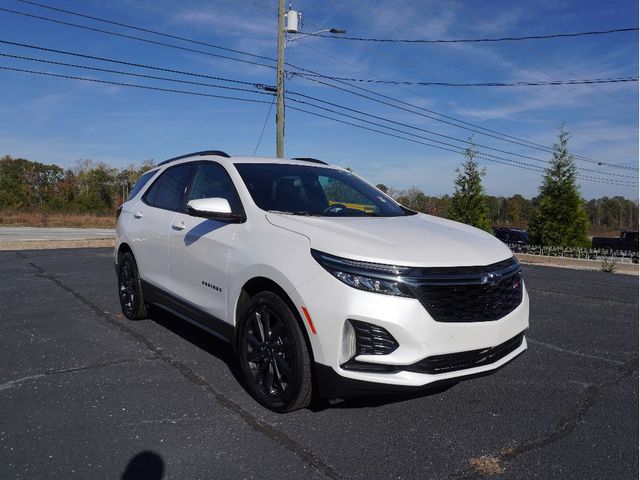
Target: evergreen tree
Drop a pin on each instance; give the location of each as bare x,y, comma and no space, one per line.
560,219
469,202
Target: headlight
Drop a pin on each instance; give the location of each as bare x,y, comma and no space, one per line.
370,277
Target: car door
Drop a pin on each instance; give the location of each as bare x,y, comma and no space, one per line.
151,223
200,247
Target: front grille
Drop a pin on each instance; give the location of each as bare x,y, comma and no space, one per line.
470,294
461,361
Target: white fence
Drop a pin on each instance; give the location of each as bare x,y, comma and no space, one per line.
622,256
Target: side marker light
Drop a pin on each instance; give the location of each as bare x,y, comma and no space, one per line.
308,318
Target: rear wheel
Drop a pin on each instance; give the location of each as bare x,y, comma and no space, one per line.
273,354
130,288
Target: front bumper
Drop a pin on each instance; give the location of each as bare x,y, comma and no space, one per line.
331,303
331,384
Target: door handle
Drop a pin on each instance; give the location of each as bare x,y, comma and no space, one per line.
179,226
137,215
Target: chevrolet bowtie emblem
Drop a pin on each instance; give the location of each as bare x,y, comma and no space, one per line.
490,279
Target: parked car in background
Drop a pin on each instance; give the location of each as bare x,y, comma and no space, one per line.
627,241
514,237
320,281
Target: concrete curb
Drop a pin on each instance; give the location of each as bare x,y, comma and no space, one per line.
55,244
575,263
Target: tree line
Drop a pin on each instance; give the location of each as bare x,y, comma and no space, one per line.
88,187
558,216
604,214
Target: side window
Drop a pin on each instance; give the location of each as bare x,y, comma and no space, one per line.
142,181
212,180
168,190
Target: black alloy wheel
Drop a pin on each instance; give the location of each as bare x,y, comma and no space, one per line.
274,355
130,288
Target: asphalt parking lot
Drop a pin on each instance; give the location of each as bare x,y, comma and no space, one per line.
84,393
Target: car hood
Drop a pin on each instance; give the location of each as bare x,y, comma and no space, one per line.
414,240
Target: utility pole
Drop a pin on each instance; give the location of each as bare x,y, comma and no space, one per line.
293,23
280,84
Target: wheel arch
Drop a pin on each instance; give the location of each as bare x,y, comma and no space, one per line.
259,284
122,249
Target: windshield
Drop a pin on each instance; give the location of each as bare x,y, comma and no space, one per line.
313,190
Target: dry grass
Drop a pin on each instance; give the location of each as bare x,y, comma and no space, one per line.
14,218
486,465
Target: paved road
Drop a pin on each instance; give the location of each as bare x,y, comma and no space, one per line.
25,234
85,393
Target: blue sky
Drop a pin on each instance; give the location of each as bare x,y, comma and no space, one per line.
59,121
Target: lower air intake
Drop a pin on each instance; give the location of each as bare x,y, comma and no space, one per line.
372,339
464,360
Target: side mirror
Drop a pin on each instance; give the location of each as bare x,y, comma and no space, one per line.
213,208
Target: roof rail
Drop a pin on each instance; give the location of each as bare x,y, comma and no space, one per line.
309,159
219,153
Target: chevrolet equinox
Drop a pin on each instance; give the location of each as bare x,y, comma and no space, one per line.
321,282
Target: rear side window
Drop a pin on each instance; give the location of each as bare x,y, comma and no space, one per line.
167,192
142,181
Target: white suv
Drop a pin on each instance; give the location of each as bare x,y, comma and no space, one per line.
320,281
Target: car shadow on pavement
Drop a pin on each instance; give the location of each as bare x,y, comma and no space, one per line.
377,400
200,338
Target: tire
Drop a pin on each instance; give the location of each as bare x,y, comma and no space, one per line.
130,288
273,355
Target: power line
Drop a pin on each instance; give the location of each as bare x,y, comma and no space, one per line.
131,74
482,84
133,37
132,85
411,66
483,130
544,148
122,62
477,40
146,30
439,142
166,90
459,151
477,129
561,66
255,150
153,77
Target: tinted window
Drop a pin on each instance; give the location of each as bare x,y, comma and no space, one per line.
212,180
142,181
168,190
313,190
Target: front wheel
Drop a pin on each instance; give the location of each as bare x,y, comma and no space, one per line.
130,288
273,355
